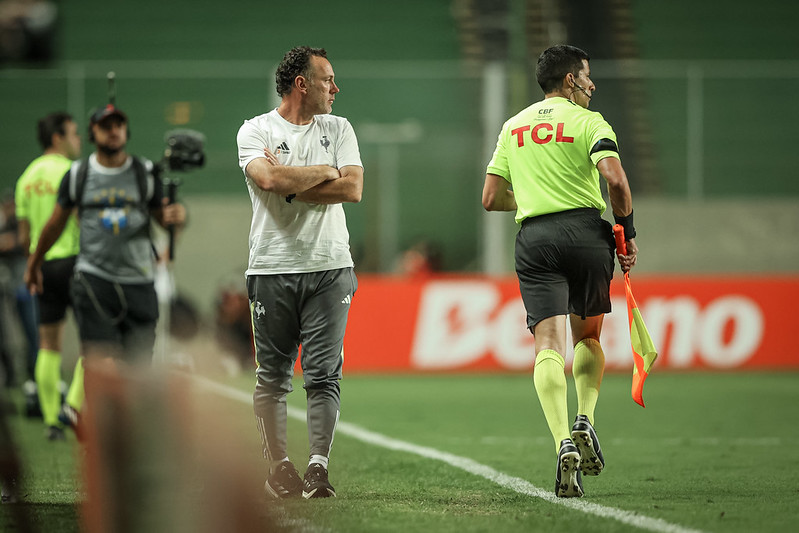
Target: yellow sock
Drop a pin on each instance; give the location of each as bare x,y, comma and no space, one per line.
75,394
588,367
550,384
48,376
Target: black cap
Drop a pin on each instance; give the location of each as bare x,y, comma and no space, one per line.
107,111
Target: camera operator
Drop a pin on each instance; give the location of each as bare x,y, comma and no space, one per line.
114,301
116,195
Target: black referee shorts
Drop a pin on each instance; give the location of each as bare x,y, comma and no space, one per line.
565,262
55,297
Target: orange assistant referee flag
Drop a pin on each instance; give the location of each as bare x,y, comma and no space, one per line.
644,352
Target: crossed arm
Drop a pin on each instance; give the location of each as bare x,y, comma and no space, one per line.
319,184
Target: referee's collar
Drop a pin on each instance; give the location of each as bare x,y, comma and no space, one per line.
560,98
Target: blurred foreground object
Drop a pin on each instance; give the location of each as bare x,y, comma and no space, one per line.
27,30
11,472
160,458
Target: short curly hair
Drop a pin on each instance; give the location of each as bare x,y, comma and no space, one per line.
295,63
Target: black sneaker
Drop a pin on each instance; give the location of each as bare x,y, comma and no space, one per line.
284,482
315,484
54,433
591,459
568,481
70,417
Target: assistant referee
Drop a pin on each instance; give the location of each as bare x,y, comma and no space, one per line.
546,167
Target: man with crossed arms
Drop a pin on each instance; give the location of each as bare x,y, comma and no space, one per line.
300,164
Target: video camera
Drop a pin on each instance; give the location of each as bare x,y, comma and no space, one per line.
184,150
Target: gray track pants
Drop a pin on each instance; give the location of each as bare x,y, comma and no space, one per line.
289,310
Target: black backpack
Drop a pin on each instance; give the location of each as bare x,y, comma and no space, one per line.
141,181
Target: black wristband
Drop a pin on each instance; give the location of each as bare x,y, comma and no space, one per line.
290,197
627,224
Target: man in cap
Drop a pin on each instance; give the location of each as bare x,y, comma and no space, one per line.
115,304
115,194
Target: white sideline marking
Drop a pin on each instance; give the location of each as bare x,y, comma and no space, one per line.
472,467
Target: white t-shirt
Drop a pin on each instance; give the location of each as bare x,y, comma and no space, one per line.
297,237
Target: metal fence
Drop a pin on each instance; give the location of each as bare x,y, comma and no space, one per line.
426,129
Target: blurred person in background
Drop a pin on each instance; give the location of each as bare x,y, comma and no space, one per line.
17,307
300,163
115,305
233,324
420,261
116,196
552,154
35,198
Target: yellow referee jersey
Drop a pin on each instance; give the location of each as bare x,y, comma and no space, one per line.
35,198
548,152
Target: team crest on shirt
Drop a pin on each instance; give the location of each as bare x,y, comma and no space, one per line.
325,142
114,216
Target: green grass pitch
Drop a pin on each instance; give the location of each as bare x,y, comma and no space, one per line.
711,452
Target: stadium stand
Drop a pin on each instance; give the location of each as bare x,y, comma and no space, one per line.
410,66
